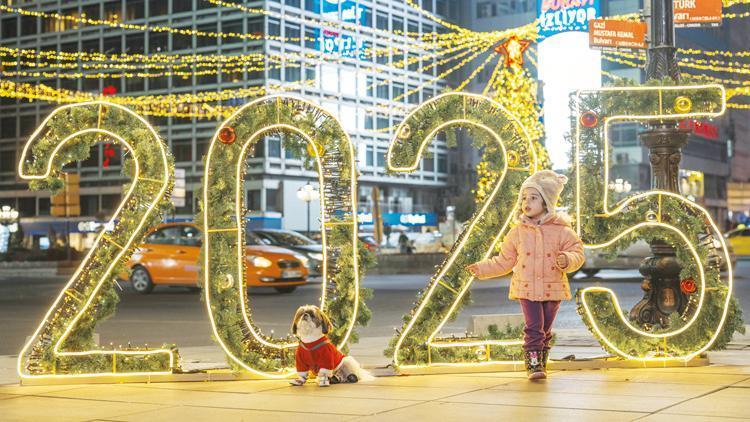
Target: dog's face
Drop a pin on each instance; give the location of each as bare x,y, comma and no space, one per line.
310,321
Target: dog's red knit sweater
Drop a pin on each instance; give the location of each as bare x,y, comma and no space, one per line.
317,355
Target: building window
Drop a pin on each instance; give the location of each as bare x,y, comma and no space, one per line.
158,7
292,74
206,41
89,205
8,127
381,158
398,91
233,27
312,6
112,45
442,163
429,164
135,44
27,207
253,200
182,6
10,28
293,34
182,42
381,21
369,158
292,3
274,28
109,203
397,24
273,200
255,26
27,125
7,161
486,9
182,150
113,11
135,9
158,42
274,147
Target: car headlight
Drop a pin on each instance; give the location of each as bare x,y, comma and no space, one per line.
303,259
259,261
316,256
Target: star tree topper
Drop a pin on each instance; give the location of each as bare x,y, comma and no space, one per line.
513,49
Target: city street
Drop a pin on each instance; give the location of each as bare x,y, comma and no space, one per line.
176,315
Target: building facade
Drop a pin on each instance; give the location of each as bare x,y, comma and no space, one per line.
718,149
362,89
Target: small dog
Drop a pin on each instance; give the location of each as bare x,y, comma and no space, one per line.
317,354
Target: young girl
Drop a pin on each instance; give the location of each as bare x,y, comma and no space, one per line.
540,250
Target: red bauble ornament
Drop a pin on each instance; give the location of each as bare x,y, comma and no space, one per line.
589,119
109,90
688,286
227,135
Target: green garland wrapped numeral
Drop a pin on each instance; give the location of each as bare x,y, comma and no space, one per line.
510,157
63,343
320,136
711,314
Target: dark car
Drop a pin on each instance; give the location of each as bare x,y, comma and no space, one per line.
297,242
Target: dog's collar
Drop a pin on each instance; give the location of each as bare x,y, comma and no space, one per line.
315,344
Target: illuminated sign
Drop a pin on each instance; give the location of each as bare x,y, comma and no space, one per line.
349,11
334,42
401,219
556,16
702,129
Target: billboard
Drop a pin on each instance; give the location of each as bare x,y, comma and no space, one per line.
332,41
557,16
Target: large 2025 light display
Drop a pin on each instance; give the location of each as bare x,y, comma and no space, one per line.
69,132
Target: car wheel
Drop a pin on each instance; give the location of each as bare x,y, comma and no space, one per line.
287,289
141,281
590,273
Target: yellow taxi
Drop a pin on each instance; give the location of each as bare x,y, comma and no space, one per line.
169,256
739,238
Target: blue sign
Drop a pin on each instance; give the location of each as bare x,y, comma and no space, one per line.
334,42
557,16
414,219
349,11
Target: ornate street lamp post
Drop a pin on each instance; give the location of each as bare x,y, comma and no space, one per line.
662,295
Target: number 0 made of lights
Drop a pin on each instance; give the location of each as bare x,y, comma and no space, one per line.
223,217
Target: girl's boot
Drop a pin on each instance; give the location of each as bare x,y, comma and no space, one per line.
534,368
545,359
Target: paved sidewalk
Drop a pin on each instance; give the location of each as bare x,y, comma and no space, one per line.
720,391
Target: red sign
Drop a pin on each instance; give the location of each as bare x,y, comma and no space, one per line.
702,129
610,34
692,13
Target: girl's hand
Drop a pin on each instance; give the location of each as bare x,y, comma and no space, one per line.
562,261
473,269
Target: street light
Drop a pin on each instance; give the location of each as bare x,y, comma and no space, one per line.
9,218
620,186
308,193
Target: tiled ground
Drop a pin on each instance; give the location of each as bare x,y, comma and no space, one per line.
716,392
720,391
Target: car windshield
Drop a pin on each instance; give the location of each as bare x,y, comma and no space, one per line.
289,238
252,239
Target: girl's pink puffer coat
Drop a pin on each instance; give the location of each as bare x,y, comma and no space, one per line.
530,250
